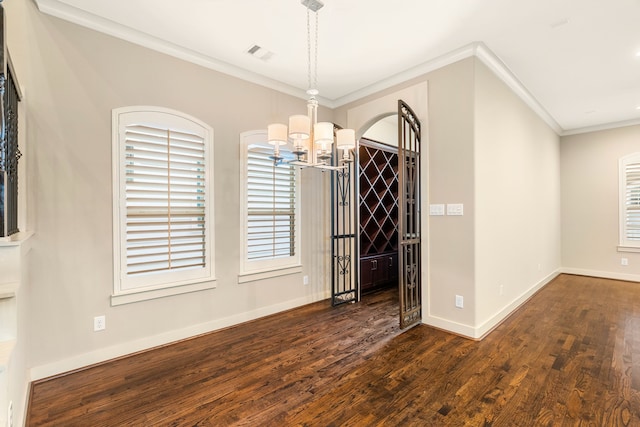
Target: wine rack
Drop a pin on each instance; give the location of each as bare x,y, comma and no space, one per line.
378,204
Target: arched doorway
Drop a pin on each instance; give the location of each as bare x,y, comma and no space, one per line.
376,233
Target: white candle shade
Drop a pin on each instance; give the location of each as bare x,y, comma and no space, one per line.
346,138
277,134
323,133
299,126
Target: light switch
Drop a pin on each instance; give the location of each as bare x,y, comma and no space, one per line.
455,209
436,210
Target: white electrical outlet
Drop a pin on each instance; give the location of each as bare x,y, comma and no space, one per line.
501,290
99,323
624,261
305,280
459,301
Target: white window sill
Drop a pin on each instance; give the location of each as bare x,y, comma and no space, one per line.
16,239
8,290
628,248
267,274
144,295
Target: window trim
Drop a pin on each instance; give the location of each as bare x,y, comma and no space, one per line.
624,244
127,290
264,269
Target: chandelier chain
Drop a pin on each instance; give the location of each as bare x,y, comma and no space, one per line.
312,82
308,48
315,61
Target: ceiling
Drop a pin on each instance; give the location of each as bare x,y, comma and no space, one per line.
576,61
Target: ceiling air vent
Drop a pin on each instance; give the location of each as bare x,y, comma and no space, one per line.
259,52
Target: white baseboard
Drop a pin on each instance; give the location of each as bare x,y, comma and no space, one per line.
502,315
474,332
602,274
449,326
477,332
87,359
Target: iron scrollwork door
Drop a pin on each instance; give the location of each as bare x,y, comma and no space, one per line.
344,280
409,249
9,152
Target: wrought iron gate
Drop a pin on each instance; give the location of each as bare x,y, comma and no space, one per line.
344,246
409,249
9,152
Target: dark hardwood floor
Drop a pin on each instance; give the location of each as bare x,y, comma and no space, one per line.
569,357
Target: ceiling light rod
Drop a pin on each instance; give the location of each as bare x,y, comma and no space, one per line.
311,140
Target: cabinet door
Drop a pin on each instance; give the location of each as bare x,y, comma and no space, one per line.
381,270
392,268
366,274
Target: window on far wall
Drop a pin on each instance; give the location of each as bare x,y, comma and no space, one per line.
630,201
163,204
269,210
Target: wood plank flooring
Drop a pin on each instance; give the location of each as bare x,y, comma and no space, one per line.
569,357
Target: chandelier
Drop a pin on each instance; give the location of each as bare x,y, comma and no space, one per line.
312,140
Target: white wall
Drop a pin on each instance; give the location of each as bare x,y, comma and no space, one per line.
450,180
77,77
384,130
589,164
517,201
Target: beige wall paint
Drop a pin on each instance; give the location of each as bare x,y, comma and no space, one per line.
517,200
492,153
79,77
589,164
450,180
447,172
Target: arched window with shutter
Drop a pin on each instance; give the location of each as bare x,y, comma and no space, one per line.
163,207
270,210
630,201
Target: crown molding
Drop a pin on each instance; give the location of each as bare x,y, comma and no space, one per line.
94,22
601,127
480,51
80,17
500,69
417,71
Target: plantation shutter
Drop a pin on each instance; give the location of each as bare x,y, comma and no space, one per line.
271,204
165,200
632,201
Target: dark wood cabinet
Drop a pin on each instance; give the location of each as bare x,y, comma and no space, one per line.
378,180
378,271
